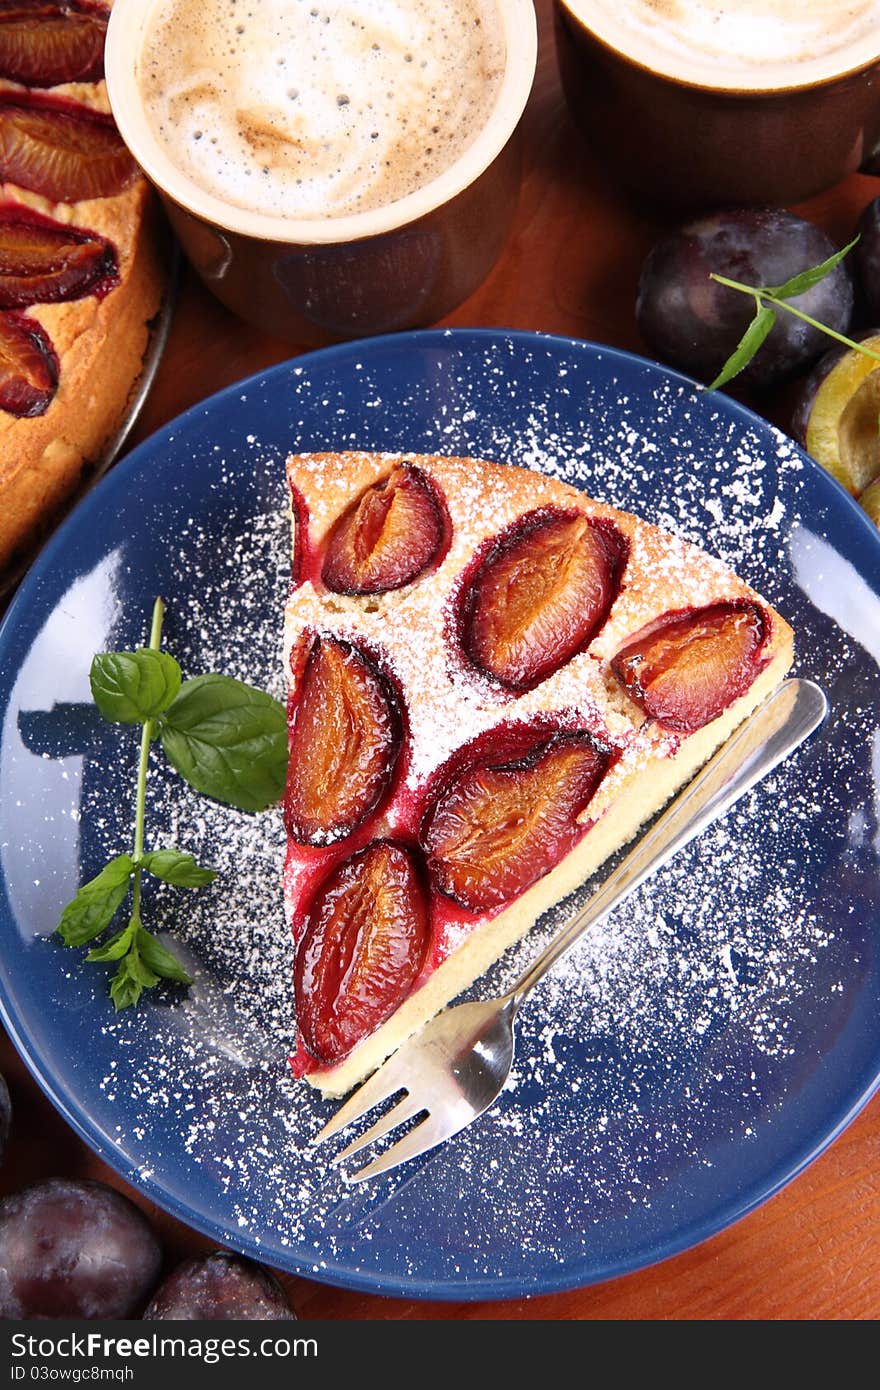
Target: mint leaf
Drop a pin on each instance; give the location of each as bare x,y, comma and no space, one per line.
138,968
228,740
745,350
125,990
172,866
143,962
799,284
116,947
131,979
160,960
132,687
96,903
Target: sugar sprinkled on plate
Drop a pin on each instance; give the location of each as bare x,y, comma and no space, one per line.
656,1042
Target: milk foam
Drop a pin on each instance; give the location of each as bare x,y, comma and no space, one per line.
318,108
748,43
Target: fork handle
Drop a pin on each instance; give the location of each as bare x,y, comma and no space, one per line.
775,730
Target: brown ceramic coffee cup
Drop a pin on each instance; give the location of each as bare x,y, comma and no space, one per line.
312,280
696,137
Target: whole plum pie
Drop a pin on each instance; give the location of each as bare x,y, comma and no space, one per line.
494,682
81,273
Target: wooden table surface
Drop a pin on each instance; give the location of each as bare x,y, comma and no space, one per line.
570,267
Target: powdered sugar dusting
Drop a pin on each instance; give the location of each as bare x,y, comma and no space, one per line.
657,1067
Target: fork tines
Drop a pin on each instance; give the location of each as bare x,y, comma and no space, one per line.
388,1081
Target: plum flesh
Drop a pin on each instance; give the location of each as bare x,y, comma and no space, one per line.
836,412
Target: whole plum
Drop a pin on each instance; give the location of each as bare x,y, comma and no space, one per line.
867,255
220,1287
72,1249
693,323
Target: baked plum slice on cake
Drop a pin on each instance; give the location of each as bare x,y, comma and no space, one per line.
387,537
28,366
345,736
47,262
500,820
43,44
365,939
59,148
540,594
564,669
686,668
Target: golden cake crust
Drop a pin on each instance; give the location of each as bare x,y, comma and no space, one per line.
100,344
448,703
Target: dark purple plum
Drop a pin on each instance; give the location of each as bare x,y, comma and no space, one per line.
694,324
867,255
220,1287
72,1249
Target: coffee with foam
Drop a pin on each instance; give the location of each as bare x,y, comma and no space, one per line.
739,44
318,108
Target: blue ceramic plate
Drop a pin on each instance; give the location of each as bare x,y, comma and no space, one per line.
680,1067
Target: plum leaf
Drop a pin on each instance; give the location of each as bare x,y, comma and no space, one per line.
799,284
748,345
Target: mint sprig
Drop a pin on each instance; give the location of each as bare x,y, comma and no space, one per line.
769,299
227,739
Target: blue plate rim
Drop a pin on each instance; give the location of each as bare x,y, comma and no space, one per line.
343,1276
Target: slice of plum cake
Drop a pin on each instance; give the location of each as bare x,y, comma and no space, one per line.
494,682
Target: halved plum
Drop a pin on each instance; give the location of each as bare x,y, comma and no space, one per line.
345,738
61,149
835,414
686,668
540,594
389,535
44,262
364,944
28,366
43,43
501,823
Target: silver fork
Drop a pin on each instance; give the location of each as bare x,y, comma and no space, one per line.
456,1066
